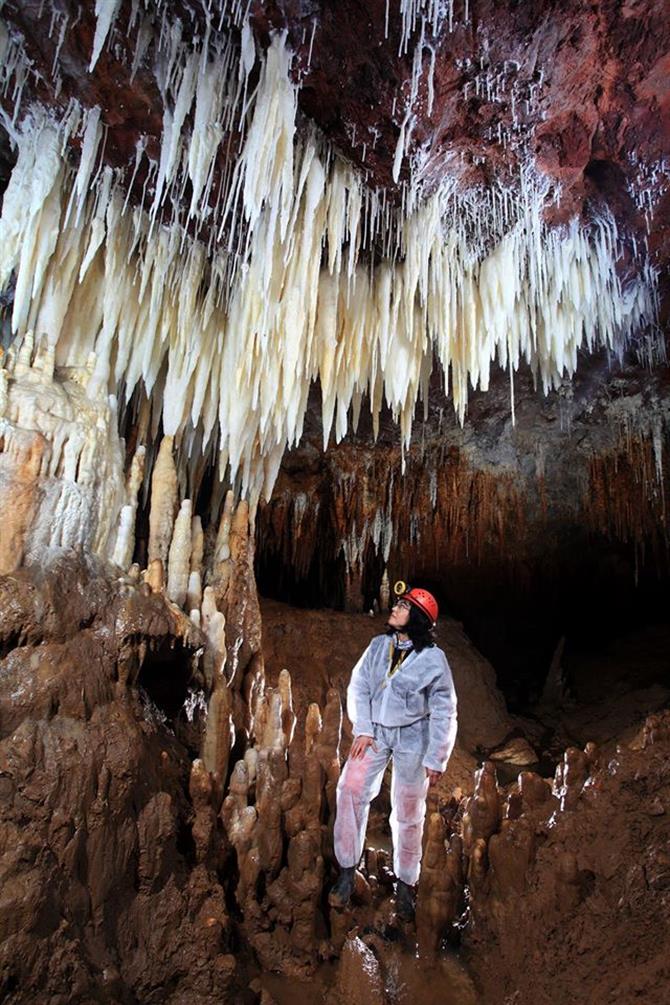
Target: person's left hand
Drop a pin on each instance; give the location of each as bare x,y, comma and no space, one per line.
433,776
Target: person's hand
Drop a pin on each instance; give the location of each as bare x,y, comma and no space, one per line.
360,745
433,776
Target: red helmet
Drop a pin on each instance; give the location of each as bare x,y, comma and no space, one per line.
424,600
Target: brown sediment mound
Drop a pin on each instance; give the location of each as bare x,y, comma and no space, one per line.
103,897
574,903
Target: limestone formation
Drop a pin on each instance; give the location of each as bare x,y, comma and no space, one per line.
570,777
111,820
359,976
277,832
61,465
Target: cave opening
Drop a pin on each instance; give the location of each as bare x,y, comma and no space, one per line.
166,683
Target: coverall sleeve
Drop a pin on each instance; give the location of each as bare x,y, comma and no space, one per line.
443,721
359,696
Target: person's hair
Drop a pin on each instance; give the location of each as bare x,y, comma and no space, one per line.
419,628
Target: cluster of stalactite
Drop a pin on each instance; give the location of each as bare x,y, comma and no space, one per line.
299,271
360,509
339,527
628,489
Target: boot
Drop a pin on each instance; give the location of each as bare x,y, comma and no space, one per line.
404,901
340,895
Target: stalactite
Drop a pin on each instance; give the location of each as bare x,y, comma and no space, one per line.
440,507
628,488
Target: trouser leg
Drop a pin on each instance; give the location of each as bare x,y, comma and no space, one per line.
359,783
409,788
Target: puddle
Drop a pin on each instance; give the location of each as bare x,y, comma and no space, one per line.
408,981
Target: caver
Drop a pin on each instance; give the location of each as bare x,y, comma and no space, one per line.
402,704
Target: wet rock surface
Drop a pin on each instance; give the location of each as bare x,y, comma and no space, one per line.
573,902
130,874
102,898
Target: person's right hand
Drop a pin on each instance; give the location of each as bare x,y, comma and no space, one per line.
360,745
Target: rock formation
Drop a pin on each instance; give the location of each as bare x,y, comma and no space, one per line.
240,245
101,897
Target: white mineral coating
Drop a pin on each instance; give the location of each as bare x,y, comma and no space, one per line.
222,548
213,624
251,761
125,538
105,12
61,461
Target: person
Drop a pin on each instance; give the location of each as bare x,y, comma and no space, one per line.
402,705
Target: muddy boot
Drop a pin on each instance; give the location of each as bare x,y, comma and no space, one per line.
340,895
404,901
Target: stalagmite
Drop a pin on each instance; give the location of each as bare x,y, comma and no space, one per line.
482,814
125,539
154,575
213,624
510,855
204,825
440,885
570,777
271,773
194,593
197,546
219,735
534,790
287,714
163,502
384,592
272,736
179,558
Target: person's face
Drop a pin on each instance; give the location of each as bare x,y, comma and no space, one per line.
399,615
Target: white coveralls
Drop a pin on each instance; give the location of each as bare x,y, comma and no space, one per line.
412,717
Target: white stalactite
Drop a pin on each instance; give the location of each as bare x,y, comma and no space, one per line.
227,338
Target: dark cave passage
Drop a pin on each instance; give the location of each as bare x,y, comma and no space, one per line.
592,615
167,680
